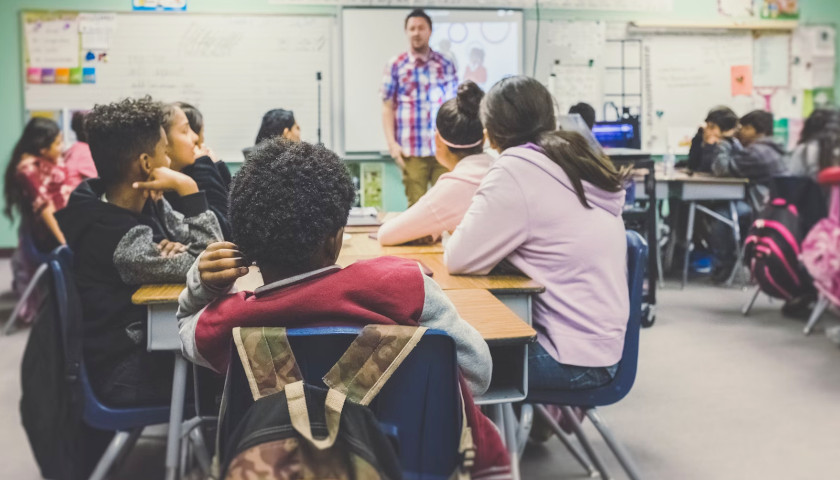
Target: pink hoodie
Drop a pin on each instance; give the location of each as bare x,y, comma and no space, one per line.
526,211
442,207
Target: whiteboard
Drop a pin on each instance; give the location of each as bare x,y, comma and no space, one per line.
234,68
685,76
373,36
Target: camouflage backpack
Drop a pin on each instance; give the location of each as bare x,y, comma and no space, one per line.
298,431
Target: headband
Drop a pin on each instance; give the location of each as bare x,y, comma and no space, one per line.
453,145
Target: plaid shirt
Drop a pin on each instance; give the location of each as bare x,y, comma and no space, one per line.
418,87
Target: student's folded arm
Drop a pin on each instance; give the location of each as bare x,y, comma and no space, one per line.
209,180
417,222
138,260
723,162
192,302
196,225
472,351
493,227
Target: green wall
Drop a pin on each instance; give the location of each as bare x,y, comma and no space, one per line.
11,98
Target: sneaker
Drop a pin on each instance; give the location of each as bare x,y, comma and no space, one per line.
799,307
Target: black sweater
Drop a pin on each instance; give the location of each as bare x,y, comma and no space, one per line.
214,180
115,251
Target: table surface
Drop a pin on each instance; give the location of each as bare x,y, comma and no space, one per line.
684,176
447,281
494,321
361,245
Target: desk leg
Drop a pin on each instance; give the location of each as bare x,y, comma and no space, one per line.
689,229
511,441
736,234
176,416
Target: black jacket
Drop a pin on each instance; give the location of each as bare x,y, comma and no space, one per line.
115,251
212,178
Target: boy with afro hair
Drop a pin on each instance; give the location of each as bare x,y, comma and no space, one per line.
289,206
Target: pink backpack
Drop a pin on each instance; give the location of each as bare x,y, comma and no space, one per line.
821,247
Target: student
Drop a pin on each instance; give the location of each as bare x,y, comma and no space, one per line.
716,138
551,207
289,206
586,112
760,159
459,146
196,121
117,247
77,158
276,123
757,157
36,183
805,158
194,161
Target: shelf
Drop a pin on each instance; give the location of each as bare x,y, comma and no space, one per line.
782,25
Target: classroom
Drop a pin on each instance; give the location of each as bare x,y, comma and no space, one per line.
452,239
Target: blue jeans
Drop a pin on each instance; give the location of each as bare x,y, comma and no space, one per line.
546,373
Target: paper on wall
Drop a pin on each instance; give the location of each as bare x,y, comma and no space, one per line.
813,57
771,60
53,43
96,30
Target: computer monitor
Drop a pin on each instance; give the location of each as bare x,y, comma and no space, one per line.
573,122
619,134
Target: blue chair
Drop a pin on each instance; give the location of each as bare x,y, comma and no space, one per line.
619,387
33,256
128,423
419,406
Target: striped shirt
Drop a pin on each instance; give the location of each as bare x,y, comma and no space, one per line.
418,86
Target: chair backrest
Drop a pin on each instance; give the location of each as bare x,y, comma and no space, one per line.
95,414
619,387
420,402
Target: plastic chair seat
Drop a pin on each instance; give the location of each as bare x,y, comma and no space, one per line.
829,176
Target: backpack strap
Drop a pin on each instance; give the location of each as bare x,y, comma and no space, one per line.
267,358
371,360
299,414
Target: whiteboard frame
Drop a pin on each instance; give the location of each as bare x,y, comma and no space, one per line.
340,53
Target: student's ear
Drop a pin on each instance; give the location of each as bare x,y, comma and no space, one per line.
145,162
332,245
286,133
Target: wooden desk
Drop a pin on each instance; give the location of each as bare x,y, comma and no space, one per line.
361,245
515,291
504,331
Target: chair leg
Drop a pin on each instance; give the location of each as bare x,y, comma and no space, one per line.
689,229
526,421
584,441
121,441
745,310
822,304
36,277
202,456
736,235
567,441
618,450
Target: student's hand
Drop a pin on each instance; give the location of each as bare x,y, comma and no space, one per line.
170,249
221,264
165,179
204,150
710,136
397,154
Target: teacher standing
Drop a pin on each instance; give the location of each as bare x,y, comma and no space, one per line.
416,84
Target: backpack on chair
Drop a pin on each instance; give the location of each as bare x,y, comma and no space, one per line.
821,248
297,430
773,244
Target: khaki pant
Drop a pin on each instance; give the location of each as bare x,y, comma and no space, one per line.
419,174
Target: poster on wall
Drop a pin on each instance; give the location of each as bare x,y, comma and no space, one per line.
52,48
780,9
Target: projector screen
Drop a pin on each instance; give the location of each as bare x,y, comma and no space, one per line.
485,45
